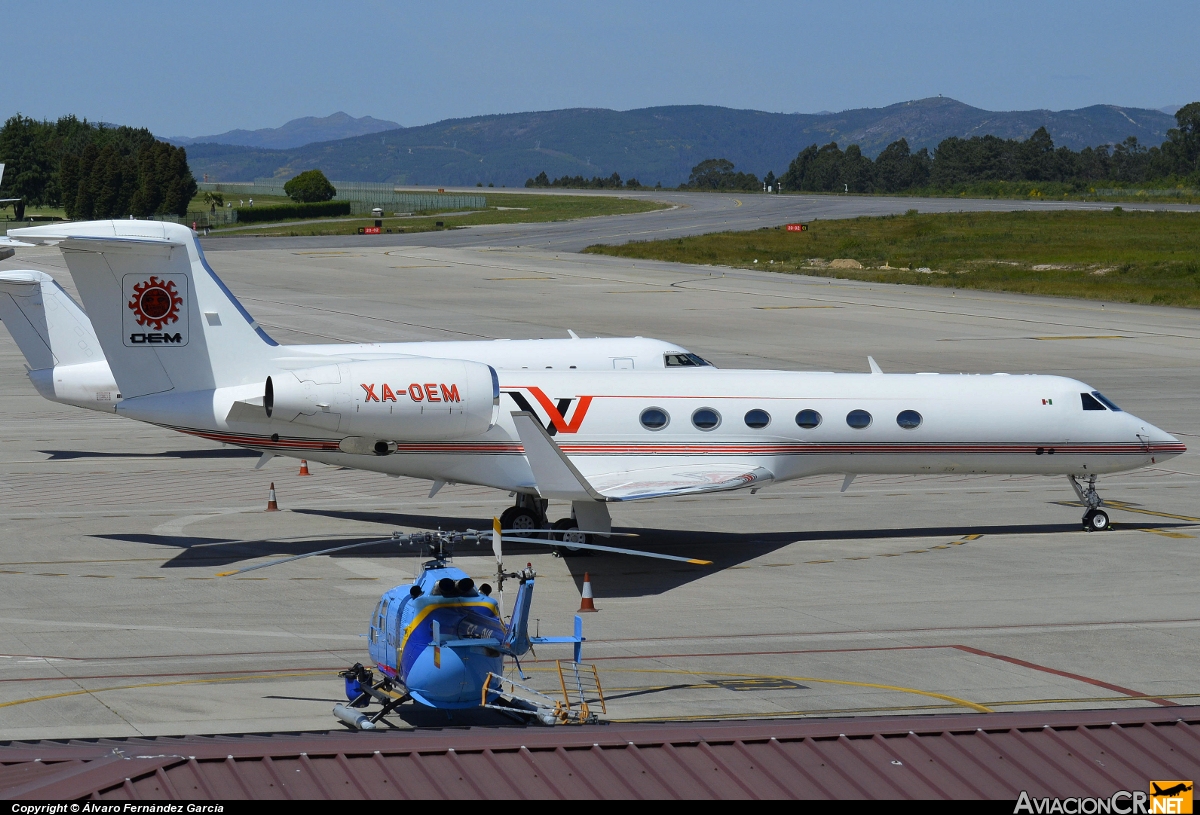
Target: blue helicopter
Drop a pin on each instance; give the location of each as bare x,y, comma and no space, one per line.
442,640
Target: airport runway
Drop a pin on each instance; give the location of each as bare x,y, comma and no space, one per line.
693,213
939,593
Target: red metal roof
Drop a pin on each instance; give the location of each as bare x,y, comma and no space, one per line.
997,755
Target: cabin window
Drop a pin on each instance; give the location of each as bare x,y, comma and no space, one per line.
655,418
858,419
757,419
808,419
706,419
1090,402
684,361
909,419
1108,403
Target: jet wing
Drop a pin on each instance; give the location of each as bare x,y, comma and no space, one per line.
557,477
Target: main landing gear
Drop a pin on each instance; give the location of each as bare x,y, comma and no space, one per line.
1094,519
528,515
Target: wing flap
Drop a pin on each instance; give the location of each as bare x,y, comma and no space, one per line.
684,479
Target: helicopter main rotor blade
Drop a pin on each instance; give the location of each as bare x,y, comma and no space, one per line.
301,557
581,531
613,549
279,539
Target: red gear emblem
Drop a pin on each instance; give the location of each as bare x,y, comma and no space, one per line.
156,303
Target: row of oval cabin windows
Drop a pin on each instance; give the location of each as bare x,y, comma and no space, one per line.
706,418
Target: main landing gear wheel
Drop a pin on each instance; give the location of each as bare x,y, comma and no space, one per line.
567,531
522,520
1096,520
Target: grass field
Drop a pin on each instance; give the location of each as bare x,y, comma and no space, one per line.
1130,257
503,208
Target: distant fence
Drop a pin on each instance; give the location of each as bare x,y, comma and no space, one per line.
363,195
1172,191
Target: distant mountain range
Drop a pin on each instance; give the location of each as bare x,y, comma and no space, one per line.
653,144
296,133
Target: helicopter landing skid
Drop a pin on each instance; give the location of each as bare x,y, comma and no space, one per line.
362,680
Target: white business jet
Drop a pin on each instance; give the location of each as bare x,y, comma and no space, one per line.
185,355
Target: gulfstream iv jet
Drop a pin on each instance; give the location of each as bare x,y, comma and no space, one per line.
184,354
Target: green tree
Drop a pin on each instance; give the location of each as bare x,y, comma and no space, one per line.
30,165
718,174
710,174
858,173
1182,149
310,186
542,180
797,171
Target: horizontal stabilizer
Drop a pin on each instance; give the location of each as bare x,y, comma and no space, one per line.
490,642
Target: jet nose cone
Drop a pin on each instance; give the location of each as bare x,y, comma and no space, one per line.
1159,443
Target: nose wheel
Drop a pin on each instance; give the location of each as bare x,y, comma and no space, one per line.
1094,519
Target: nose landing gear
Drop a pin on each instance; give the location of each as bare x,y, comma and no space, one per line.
1094,519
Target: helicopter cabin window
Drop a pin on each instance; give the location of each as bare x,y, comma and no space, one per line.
706,419
757,419
684,361
1090,402
1108,403
377,622
858,419
655,418
808,419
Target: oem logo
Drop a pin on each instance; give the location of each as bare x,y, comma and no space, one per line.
156,310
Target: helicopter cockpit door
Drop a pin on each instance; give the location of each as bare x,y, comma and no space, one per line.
387,634
393,630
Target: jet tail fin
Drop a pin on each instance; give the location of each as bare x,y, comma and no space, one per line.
166,322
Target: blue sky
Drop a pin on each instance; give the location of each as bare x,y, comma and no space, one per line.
202,68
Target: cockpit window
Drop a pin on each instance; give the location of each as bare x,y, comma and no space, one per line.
1090,403
684,361
1108,403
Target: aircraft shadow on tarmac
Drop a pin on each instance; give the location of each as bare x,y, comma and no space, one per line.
611,575
230,452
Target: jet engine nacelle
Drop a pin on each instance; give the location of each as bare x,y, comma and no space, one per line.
386,401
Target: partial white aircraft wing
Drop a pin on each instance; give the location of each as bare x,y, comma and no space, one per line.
557,477
685,479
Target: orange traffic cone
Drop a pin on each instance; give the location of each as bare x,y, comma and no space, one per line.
304,467
586,603
272,504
